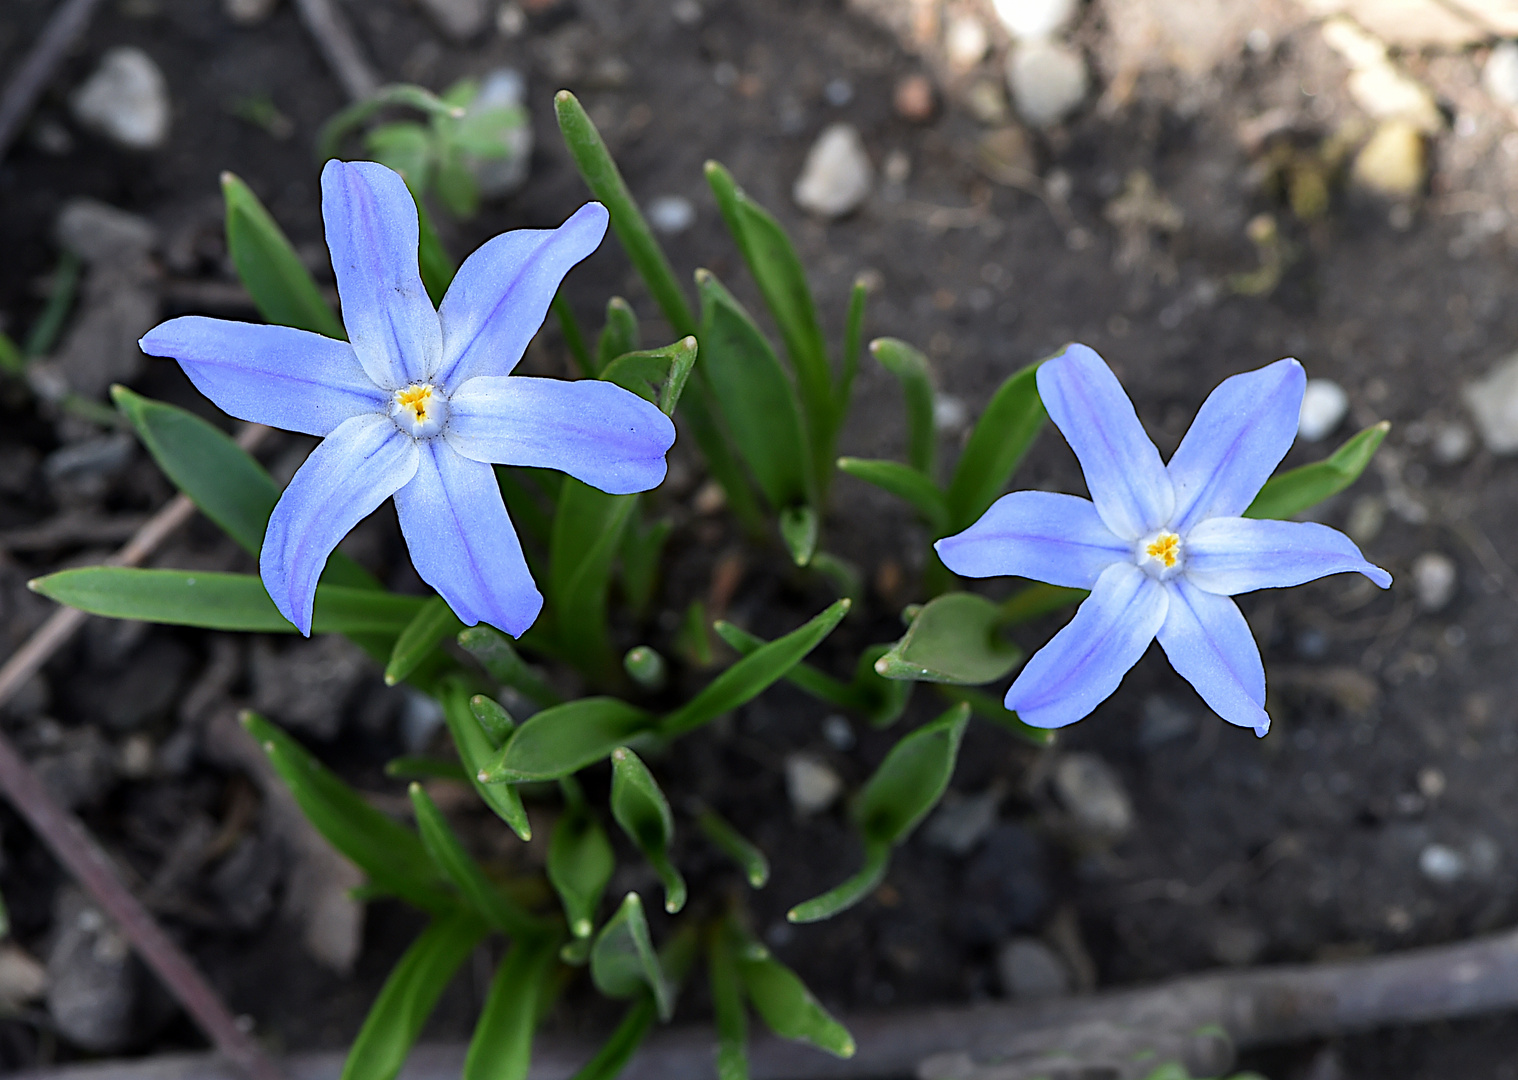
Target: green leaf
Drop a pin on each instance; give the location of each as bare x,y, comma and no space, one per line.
450,858
424,767
390,854
566,738
279,283
12,359
1292,492
691,640
646,668
906,483
617,1051
5,920
329,139
574,338
436,267
580,865
62,292
505,665
991,708
623,961
799,526
587,534
735,846
752,674
727,1004
641,809
912,370
600,173
641,550
755,396
434,621
620,335
409,996
494,719
853,336
405,147
954,638
877,859
880,699
477,747
787,1006
501,1048
1037,600
656,375
456,185
1001,437
911,779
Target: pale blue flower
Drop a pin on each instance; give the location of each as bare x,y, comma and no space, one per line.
419,402
1161,547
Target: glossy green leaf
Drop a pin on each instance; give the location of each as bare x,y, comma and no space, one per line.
279,283
424,767
580,865
991,708
605,181
432,258
735,846
587,534
477,748
727,1004
788,1007
880,699
456,864
642,548
617,1051
12,359
646,668
574,337
656,375
755,395
501,1047
500,659
955,638
912,370
1001,437
409,996
1037,600
853,338
620,335
877,860
911,779
62,291
404,146
566,738
623,961
799,526
701,415
219,601
434,622
389,853
494,719
691,640
329,139
906,483
752,674
1298,489
639,806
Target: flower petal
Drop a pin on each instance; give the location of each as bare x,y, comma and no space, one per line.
1239,436
1123,471
372,235
274,375
595,431
1082,664
462,543
354,469
1209,644
1235,555
501,294
1039,535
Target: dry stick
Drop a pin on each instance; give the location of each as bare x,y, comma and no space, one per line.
334,37
84,858
31,78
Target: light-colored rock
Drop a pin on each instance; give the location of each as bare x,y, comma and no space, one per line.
1035,18
1350,40
839,733
1164,720
1093,797
1235,943
1367,517
1048,81
1189,36
97,232
950,414
503,90
1435,580
962,821
1413,24
459,20
914,98
671,214
810,783
248,12
126,100
1452,443
1386,92
965,40
1442,864
1324,404
1500,76
986,100
92,978
22,978
837,176
1030,970
1393,162
1007,155
1493,401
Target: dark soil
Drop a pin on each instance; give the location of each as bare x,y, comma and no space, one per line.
1393,727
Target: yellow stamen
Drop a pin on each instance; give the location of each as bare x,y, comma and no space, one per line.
1165,549
415,398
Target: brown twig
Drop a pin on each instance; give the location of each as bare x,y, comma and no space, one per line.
31,78
80,854
334,37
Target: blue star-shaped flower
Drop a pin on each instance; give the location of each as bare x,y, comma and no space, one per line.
1161,547
418,402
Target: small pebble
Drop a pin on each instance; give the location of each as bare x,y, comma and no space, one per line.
126,100
709,498
459,20
1030,970
837,731
1035,18
671,214
1431,782
1452,443
811,783
135,757
510,21
1093,796
92,979
1048,81
1442,864
249,12
686,12
1434,580
1237,944
950,414
421,718
1500,76
965,40
1324,405
897,169
962,821
22,978
1367,517
497,177
1393,162
987,101
1493,401
838,92
1163,720
837,175
914,99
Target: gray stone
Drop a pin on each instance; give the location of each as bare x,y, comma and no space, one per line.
838,732
1162,720
1005,886
1324,405
962,821
248,12
1435,580
497,177
1035,18
93,981
1048,81
1493,401
459,20
1030,970
1500,76
1237,944
1394,161
671,214
22,979
308,685
100,233
1093,797
82,471
79,769
837,176
965,40
126,100
810,783
1452,443
1442,864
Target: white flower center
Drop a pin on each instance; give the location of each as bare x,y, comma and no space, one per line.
420,410
1161,555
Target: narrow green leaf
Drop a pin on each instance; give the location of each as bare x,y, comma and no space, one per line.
409,996
788,1007
12,359
646,667
727,1004
617,1051
434,621
477,747
574,337
906,483
623,961
620,335
877,859
494,719
656,375
5,920
587,534
423,767
61,294
799,526
279,283
691,640
389,853
501,1047
955,638
565,739
751,675
701,414
505,665
853,337
1037,600
990,708
530,507
601,175
912,370
639,806
641,552
405,147
735,846
450,858
580,865
878,698
329,139
1001,437
1298,489
433,261
911,779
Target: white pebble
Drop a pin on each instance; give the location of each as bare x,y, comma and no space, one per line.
1442,864
1035,18
1500,76
1434,580
126,100
1030,970
1048,81
497,177
838,733
1324,404
1452,444
1093,796
949,414
1493,400
671,214
811,783
965,40
837,175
